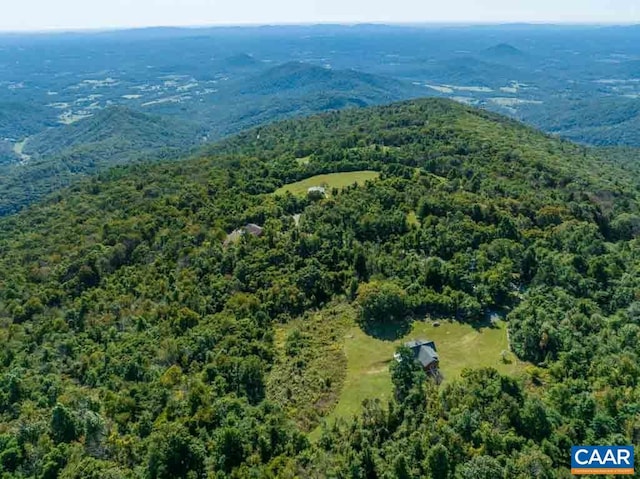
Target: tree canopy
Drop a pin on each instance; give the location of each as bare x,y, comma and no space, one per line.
136,343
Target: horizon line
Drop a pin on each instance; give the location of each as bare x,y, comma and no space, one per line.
248,25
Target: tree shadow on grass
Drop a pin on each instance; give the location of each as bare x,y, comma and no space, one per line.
387,331
489,319
480,324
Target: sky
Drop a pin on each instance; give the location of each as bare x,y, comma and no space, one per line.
25,15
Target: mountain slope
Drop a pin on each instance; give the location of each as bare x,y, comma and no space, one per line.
19,119
470,71
113,136
300,78
136,344
240,61
7,155
605,122
119,129
299,89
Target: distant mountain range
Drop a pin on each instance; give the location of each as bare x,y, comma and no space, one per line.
303,78
298,89
158,93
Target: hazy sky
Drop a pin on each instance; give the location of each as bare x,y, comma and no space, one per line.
73,14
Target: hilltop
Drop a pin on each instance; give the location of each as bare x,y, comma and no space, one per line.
302,77
138,343
299,89
240,60
503,50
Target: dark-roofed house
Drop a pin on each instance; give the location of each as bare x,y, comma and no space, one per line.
426,354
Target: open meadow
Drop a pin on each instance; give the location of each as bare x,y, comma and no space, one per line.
328,181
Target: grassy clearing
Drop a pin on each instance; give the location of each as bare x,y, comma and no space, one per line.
459,345
335,365
18,149
329,181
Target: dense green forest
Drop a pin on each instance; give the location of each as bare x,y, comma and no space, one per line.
7,154
114,136
136,344
595,121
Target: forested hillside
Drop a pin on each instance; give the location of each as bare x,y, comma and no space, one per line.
602,122
137,342
114,136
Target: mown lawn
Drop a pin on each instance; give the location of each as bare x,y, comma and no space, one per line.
459,346
329,181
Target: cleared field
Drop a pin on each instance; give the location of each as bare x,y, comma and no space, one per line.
18,149
459,345
328,181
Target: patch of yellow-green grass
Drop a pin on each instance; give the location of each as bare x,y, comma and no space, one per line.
459,346
304,160
412,219
441,179
328,181
310,366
